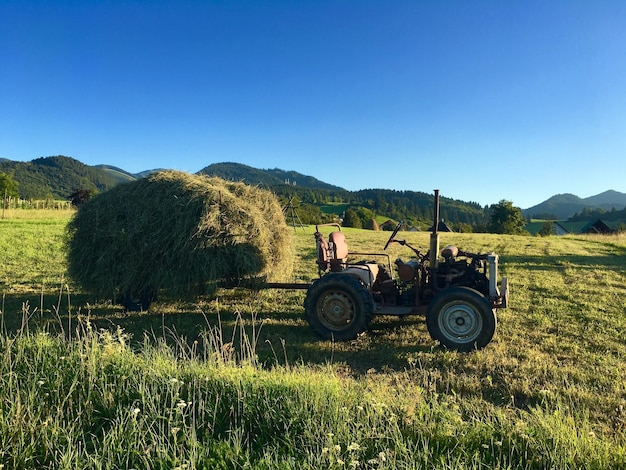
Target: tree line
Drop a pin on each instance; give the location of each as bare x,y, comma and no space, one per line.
414,208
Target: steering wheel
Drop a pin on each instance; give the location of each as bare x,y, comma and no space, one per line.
393,235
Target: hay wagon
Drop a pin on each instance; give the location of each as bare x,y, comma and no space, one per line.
190,234
176,232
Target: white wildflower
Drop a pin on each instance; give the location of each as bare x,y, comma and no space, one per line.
353,447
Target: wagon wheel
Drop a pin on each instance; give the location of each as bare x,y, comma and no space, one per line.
461,318
138,302
338,307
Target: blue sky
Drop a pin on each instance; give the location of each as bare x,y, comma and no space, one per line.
484,100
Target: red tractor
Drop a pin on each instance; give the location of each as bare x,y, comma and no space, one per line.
458,293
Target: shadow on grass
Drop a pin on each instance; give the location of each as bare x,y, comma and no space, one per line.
614,262
278,337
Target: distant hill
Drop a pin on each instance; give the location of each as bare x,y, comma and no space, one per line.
118,174
143,174
56,177
247,174
608,200
59,176
122,175
564,206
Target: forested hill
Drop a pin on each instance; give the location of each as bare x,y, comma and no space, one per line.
56,177
415,208
255,176
414,205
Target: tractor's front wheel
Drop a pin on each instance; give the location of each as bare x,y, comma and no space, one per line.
461,318
338,306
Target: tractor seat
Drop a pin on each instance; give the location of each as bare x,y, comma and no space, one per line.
332,255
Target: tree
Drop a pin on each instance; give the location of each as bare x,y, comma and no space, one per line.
352,219
505,218
80,196
547,229
8,186
463,227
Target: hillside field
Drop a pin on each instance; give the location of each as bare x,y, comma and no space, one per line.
240,380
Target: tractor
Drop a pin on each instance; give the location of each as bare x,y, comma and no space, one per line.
458,293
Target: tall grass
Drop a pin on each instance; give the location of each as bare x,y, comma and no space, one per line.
240,381
93,402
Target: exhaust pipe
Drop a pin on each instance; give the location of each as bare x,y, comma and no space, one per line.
434,236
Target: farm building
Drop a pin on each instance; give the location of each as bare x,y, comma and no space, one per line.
599,226
388,225
535,227
441,227
564,227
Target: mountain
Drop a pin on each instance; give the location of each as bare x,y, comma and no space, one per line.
122,175
247,174
608,200
56,177
564,206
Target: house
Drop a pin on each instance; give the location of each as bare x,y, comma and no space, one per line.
441,227
388,225
559,228
599,226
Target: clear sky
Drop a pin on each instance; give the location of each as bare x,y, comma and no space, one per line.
484,100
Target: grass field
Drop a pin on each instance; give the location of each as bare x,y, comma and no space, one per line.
241,381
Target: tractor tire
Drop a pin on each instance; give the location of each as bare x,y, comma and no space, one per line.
461,318
338,307
138,302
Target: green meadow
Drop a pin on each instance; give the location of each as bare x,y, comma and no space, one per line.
240,381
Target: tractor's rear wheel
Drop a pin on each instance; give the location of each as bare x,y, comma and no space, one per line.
338,306
461,318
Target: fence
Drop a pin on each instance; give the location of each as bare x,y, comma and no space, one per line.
9,203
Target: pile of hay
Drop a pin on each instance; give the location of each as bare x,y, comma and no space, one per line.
179,232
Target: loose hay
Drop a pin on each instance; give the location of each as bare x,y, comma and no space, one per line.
179,232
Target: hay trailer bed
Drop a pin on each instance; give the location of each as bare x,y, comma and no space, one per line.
458,294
